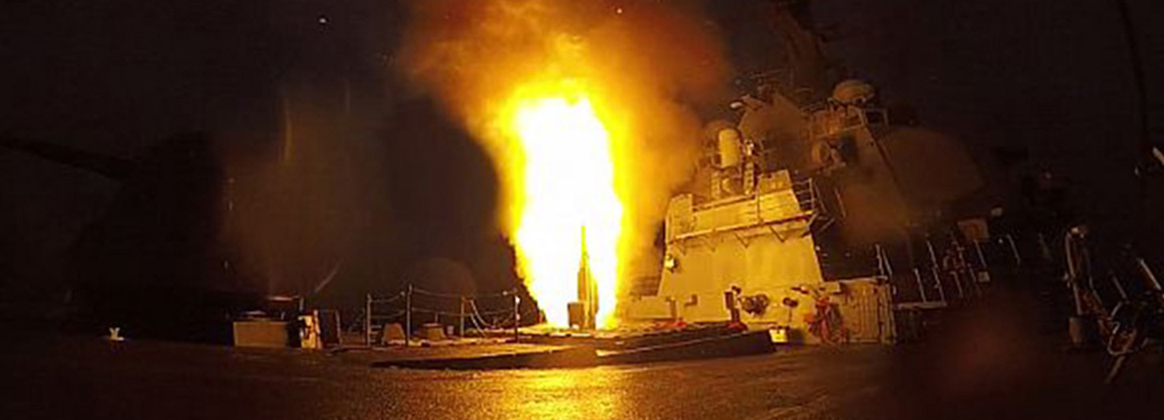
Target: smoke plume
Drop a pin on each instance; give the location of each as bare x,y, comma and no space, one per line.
650,63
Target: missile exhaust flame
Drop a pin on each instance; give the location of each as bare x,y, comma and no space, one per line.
585,109
568,189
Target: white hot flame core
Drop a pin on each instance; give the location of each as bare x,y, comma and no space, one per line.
568,181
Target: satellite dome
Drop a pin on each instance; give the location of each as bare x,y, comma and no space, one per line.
853,92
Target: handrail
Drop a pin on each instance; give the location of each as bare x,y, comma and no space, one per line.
805,215
468,308
806,205
416,290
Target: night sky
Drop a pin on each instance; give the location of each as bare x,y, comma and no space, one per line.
117,77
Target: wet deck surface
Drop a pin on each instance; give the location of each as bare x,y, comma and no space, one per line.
457,351
983,363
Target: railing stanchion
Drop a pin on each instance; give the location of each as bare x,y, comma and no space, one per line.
516,317
934,270
920,285
368,320
408,316
981,256
1018,259
462,317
